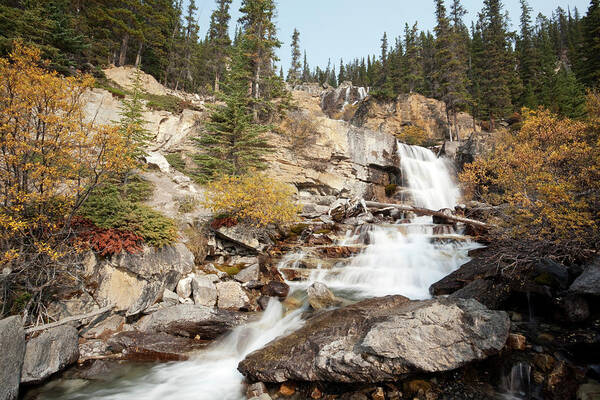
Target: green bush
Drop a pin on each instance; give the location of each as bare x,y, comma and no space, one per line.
176,161
390,190
109,207
164,103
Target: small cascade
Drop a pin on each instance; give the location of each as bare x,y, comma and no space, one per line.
517,385
428,178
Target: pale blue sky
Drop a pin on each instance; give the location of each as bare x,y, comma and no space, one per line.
353,28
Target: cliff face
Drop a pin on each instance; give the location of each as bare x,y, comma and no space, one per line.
411,110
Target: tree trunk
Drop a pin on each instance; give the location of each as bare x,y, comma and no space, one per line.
425,211
256,90
217,79
138,57
123,54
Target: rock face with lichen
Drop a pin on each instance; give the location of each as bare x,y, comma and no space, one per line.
382,339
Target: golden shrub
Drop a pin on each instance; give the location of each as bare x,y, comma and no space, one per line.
413,135
254,198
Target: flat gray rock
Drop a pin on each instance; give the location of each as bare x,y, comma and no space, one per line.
12,343
382,339
191,320
589,281
50,352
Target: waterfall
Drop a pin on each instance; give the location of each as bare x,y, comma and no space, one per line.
427,177
517,385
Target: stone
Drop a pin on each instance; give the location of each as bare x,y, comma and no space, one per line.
204,290
93,348
12,343
50,352
263,396
550,273
151,293
545,362
575,308
256,389
589,391
319,296
316,394
119,288
287,389
184,287
588,283
154,263
251,273
191,320
153,346
263,302
379,394
486,291
210,269
231,296
276,289
170,298
516,342
157,160
105,328
243,235
382,339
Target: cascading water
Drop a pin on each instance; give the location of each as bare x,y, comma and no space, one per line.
428,178
399,259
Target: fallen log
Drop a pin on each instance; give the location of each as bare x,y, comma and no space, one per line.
424,211
68,319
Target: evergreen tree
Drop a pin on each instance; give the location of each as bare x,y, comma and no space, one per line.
384,49
498,72
233,143
590,73
342,73
412,68
305,70
294,71
528,58
219,40
260,37
569,96
132,123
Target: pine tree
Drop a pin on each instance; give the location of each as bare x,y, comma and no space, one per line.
132,123
412,68
384,49
233,143
306,76
591,44
569,96
294,71
342,73
451,68
528,58
260,37
498,73
219,40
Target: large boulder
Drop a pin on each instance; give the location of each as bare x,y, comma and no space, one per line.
382,339
49,353
12,343
204,290
154,263
588,283
320,296
231,296
243,235
190,321
153,346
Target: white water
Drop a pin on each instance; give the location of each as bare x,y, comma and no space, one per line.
400,259
428,178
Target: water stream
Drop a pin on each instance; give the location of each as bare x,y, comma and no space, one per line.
399,259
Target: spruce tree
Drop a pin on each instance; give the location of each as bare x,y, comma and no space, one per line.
498,72
342,73
132,123
591,44
412,76
306,75
219,41
294,72
232,143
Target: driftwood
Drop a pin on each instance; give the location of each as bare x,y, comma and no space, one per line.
424,211
69,319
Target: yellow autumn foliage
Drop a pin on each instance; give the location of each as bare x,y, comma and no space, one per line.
51,157
254,198
549,175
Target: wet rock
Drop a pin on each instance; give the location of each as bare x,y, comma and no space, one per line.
319,296
204,290
105,328
276,289
550,273
575,308
251,273
589,391
382,339
50,352
97,370
255,390
379,394
263,396
190,320
231,296
184,287
516,342
150,295
287,389
477,268
263,302
152,346
486,291
334,101
588,283
12,343
90,349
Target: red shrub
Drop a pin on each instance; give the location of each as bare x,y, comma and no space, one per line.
107,242
221,222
